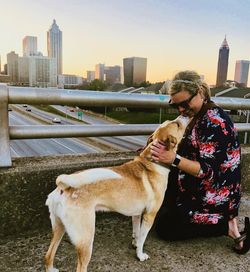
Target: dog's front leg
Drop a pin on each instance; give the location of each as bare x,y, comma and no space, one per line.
136,222
147,222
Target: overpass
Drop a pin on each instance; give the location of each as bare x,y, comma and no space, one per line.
25,183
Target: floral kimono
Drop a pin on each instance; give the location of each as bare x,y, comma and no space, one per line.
214,194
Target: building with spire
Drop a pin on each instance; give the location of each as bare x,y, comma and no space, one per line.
54,45
222,63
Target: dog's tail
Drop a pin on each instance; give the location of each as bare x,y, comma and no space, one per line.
64,182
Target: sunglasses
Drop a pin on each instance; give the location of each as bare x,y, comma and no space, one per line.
184,104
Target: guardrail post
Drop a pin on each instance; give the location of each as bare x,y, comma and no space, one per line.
5,158
247,121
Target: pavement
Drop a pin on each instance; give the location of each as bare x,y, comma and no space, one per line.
113,251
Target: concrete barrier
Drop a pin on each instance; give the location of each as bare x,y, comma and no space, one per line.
25,186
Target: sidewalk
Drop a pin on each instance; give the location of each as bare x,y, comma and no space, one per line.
113,251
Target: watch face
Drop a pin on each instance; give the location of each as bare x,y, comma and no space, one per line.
176,160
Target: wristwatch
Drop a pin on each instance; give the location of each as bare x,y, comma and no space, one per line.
176,160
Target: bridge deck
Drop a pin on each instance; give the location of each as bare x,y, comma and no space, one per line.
113,251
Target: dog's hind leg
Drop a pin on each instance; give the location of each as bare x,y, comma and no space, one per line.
136,222
147,222
81,231
58,232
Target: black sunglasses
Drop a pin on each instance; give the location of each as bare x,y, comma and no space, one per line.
184,104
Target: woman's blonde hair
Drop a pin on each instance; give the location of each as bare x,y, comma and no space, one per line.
189,81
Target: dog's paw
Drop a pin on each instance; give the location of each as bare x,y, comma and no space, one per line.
53,270
143,257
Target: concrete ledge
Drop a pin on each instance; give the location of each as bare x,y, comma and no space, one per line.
25,186
245,168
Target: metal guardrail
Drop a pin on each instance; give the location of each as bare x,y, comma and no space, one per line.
59,131
35,96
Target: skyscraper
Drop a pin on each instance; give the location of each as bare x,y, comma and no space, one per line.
134,69
241,72
99,71
37,71
112,74
54,45
29,46
222,63
12,66
90,76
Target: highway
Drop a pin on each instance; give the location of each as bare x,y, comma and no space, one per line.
43,147
121,143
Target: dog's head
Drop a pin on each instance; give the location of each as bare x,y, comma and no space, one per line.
169,132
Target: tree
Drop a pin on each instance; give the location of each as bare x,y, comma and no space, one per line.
142,84
97,85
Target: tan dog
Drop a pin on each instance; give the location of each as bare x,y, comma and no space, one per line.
135,189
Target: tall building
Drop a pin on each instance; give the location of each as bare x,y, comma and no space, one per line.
112,74
37,71
23,71
241,72
42,71
29,46
90,76
222,63
12,66
134,69
5,71
99,71
54,45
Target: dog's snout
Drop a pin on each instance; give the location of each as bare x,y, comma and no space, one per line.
183,120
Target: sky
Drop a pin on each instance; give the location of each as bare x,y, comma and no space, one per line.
173,35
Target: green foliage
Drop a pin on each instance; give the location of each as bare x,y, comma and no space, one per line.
97,85
142,84
142,117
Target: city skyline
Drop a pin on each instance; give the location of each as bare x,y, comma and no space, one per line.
172,35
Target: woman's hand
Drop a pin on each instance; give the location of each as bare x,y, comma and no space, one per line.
159,153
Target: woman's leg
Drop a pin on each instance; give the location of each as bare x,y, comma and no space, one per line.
172,227
233,230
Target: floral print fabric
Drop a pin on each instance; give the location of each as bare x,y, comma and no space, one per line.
215,193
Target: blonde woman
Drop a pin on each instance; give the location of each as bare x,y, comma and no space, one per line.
203,195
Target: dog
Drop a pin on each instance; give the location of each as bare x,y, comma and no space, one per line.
135,188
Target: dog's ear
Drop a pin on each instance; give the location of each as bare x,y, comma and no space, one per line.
150,139
170,142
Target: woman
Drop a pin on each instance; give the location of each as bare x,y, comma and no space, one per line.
203,195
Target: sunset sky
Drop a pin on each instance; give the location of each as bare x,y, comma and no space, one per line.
172,34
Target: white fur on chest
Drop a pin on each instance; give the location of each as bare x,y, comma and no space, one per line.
161,169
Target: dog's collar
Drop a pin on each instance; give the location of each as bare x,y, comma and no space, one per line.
158,162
